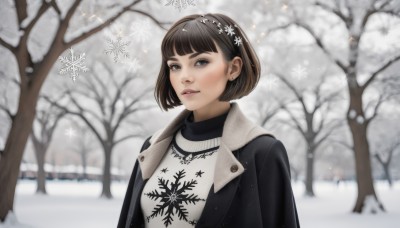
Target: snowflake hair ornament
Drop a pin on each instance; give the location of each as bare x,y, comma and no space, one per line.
229,30
73,64
180,4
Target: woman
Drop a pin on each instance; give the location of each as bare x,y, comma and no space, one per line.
211,166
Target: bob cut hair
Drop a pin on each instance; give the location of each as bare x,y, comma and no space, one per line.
189,35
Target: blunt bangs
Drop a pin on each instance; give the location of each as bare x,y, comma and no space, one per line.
196,38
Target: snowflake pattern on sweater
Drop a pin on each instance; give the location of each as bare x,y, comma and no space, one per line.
175,195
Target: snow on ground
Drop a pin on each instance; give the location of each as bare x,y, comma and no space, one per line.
77,204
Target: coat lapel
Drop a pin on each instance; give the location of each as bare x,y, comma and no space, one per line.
237,132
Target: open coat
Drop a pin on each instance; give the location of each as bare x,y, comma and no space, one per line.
251,187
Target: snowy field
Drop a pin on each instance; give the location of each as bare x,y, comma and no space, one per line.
76,205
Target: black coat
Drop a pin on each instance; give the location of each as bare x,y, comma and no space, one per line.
260,197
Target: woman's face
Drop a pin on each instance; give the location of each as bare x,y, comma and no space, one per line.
205,73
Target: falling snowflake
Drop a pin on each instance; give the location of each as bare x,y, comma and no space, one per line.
117,48
140,30
116,29
73,64
229,30
180,4
132,66
70,132
172,198
238,40
299,72
272,82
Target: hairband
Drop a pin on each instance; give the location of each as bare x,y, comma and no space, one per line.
229,30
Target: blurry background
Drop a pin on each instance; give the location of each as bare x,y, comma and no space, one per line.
76,104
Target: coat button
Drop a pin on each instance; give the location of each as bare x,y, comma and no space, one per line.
234,168
142,158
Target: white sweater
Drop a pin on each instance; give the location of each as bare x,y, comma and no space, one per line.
175,195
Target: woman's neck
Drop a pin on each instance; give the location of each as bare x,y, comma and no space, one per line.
208,113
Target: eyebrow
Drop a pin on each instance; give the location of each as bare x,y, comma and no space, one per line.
190,57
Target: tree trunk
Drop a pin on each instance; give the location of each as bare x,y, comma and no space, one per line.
309,173
14,149
358,129
107,174
21,126
41,177
387,174
83,156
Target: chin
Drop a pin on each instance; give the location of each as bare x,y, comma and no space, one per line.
190,107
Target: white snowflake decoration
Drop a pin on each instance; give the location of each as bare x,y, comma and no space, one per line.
117,48
272,82
238,40
180,4
133,65
299,72
140,30
115,30
70,132
73,64
229,30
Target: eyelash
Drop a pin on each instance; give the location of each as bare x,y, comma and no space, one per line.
200,60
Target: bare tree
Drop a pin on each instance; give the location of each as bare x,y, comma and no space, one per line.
104,107
354,16
32,74
314,131
84,146
47,119
384,157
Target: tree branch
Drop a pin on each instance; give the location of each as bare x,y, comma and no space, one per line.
297,123
7,111
321,45
160,24
127,137
382,68
336,11
8,46
343,144
101,26
20,7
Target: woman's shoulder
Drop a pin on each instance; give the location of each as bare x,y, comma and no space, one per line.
263,146
264,142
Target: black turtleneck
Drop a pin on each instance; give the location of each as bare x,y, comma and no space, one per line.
203,130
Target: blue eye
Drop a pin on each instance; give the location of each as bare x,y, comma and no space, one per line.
202,61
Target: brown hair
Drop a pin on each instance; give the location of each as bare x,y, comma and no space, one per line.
190,35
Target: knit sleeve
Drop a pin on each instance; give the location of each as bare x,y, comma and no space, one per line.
277,202
128,194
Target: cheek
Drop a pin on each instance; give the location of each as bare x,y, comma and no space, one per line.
173,81
215,76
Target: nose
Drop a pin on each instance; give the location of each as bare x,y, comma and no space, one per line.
186,77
